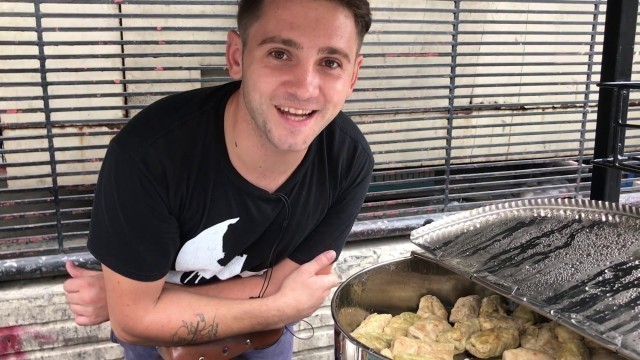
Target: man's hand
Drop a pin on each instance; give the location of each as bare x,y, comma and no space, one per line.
86,295
304,291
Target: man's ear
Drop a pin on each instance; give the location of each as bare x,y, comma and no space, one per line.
356,69
234,54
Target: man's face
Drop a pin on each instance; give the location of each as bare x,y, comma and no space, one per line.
299,64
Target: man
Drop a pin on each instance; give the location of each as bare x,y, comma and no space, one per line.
248,189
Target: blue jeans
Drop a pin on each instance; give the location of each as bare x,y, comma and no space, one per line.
281,350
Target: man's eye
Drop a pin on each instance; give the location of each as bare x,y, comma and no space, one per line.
280,55
332,64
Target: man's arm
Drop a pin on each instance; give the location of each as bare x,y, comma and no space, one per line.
87,299
147,313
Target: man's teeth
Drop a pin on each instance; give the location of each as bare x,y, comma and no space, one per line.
295,111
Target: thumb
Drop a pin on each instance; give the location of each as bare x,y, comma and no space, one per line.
74,270
321,261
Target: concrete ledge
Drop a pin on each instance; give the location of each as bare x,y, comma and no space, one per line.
35,322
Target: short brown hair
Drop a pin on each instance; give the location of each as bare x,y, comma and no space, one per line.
249,12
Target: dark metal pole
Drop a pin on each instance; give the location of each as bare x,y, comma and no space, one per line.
617,60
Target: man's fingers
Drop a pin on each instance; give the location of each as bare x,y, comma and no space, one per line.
76,271
321,261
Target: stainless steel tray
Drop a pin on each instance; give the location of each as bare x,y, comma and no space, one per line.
574,261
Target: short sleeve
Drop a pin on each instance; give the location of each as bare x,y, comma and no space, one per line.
332,231
132,231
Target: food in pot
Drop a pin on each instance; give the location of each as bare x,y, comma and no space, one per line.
428,328
493,342
525,354
493,304
398,325
542,338
404,345
370,331
573,350
460,334
482,327
465,308
496,320
430,304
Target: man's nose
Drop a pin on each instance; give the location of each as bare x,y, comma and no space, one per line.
304,82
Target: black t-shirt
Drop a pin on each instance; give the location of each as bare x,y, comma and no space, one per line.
169,201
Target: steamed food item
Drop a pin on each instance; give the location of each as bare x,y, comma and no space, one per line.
404,345
564,334
428,328
523,316
525,354
460,334
398,325
493,342
465,308
573,350
369,332
430,304
493,304
373,340
496,320
374,323
541,338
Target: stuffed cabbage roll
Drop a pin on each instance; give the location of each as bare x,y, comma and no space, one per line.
493,342
399,324
525,354
493,304
460,334
541,338
564,334
496,320
374,323
573,350
428,328
403,345
524,316
373,340
430,304
465,308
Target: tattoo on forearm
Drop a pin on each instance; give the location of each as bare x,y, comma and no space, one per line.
196,332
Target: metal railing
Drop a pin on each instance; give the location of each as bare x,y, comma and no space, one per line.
464,103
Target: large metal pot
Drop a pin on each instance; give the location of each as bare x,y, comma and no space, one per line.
392,287
574,262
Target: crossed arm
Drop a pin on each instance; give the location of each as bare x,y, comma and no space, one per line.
156,313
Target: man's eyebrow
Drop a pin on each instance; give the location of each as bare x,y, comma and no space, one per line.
335,51
281,41
329,50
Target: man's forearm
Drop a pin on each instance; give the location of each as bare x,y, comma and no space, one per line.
206,319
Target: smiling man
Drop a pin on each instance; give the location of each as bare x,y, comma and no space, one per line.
247,190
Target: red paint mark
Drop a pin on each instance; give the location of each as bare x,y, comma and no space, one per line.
11,341
117,81
159,28
13,111
159,68
417,55
161,42
118,1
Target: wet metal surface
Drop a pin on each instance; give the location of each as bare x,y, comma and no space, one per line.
575,261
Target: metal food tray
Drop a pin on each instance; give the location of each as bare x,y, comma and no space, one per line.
574,261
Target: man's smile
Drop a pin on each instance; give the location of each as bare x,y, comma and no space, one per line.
295,114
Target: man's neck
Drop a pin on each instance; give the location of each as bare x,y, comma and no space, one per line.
251,154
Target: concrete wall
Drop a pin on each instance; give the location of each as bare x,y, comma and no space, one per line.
35,322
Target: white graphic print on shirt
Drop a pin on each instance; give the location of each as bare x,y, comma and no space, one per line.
201,256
